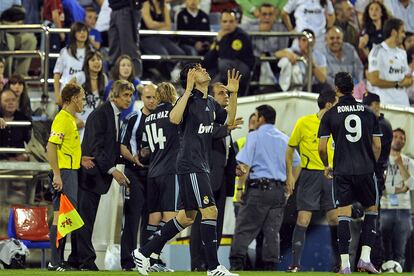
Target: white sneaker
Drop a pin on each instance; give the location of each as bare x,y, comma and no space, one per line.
142,263
160,268
220,271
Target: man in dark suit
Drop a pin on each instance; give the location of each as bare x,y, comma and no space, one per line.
101,146
222,177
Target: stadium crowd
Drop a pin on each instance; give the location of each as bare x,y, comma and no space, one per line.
98,79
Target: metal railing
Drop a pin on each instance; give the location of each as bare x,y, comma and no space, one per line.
45,54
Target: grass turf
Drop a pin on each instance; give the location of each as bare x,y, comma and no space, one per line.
36,272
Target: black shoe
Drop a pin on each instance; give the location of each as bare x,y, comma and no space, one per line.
293,269
88,267
63,266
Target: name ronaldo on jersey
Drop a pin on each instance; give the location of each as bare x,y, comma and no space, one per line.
350,108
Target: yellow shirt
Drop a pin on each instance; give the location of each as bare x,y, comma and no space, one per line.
64,133
305,136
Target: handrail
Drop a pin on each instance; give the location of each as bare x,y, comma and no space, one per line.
13,150
45,55
19,123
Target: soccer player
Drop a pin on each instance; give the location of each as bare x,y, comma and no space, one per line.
314,191
195,112
356,134
162,184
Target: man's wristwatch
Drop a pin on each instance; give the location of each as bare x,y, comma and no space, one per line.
397,84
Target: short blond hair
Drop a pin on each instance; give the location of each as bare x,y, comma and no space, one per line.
166,93
120,86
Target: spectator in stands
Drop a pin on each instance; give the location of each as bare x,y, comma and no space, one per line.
156,16
103,20
251,8
396,224
267,22
93,80
191,18
15,15
232,48
404,10
410,59
3,79
265,71
298,55
375,15
17,85
408,40
344,14
388,72
95,37
124,70
341,56
314,15
123,33
74,12
54,16
12,137
71,58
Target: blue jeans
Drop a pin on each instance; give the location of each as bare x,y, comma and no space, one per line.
396,227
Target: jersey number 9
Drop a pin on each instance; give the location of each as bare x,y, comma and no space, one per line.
355,132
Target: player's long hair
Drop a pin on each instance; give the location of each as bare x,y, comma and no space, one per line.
166,93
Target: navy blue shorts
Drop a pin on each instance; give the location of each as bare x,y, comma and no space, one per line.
195,191
162,193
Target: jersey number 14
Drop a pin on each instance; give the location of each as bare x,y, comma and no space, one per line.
155,136
355,132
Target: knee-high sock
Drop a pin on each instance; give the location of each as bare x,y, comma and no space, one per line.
369,233
298,241
161,237
208,229
334,243
54,255
344,235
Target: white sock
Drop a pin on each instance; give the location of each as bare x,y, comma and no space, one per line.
155,256
366,253
345,261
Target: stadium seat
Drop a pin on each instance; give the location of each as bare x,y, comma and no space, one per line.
29,224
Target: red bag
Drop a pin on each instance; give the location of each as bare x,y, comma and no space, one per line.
31,223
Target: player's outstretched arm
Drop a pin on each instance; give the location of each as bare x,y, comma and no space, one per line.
233,81
176,114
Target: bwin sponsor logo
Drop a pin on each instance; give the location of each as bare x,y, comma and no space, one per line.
205,129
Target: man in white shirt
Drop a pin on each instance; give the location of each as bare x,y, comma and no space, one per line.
388,71
395,219
402,9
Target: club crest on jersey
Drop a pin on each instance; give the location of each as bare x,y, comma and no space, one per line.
205,128
206,200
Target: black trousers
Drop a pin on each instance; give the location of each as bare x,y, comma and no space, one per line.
198,260
134,211
88,203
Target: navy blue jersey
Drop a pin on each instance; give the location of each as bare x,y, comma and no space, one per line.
163,140
352,126
196,133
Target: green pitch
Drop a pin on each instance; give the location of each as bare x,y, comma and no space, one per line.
35,272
